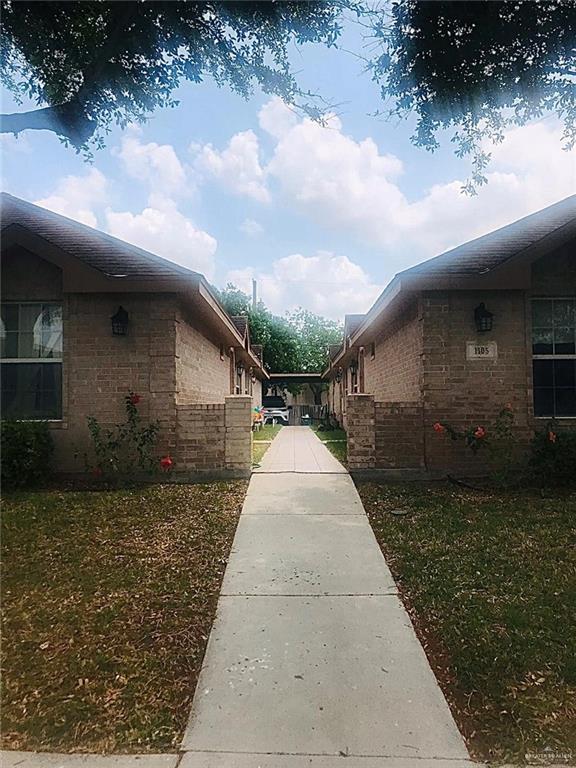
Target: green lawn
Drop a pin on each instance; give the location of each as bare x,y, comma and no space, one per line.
108,599
490,582
335,441
261,441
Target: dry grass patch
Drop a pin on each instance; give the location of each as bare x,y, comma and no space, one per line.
489,579
108,600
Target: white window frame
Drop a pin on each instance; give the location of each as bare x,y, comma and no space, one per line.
547,357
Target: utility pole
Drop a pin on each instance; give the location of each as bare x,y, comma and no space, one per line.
254,293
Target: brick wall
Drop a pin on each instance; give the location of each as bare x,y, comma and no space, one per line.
396,370
398,435
100,369
464,392
201,437
361,432
202,365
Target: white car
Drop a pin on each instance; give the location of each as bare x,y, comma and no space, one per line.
275,411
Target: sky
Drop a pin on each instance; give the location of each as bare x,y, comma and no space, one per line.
321,216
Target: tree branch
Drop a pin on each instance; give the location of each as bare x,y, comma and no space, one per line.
67,120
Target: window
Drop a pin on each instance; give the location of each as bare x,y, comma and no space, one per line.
554,356
31,336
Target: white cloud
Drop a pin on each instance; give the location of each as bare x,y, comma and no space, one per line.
251,228
76,196
297,281
276,117
157,164
350,185
237,167
162,229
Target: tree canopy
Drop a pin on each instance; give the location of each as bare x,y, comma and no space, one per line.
476,68
471,67
97,63
297,343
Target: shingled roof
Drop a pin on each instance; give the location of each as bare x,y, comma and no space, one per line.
240,321
479,256
97,249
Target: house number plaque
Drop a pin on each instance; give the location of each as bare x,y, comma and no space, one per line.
481,350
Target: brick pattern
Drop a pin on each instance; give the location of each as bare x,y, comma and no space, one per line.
238,421
395,372
201,442
466,393
398,435
361,431
202,374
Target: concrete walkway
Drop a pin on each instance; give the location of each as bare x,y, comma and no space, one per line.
297,449
312,660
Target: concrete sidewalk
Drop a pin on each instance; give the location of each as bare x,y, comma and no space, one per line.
312,660
297,449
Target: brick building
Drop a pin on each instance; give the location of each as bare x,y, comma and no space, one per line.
454,339
86,318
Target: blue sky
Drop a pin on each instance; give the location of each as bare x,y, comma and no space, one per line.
322,217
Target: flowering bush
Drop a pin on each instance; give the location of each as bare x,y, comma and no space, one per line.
497,439
125,448
553,457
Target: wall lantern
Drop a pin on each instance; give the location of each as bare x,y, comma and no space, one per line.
354,367
338,376
483,318
252,375
120,322
239,369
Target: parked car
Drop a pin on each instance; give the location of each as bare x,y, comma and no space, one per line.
275,410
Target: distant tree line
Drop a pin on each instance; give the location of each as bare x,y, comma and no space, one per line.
295,343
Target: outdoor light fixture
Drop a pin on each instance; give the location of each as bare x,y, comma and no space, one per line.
240,369
120,322
483,318
252,375
354,367
339,375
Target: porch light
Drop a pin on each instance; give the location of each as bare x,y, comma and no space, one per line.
338,376
239,369
354,367
483,318
252,375
120,322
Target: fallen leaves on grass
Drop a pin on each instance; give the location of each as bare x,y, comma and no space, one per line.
489,580
108,599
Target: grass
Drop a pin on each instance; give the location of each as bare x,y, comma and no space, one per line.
108,599
335,441
261,441
490,582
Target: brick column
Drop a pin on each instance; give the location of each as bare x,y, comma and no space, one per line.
361,432
238,437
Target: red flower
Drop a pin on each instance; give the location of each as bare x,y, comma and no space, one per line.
98,472
480,433
133,398
439,427
552,436
166,463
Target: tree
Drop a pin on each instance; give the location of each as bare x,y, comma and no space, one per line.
296,343
97,63
477,68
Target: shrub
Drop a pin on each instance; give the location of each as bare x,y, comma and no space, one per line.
27,448
553,457
128,448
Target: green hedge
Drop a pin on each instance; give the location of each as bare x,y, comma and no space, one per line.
27,448
553,457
